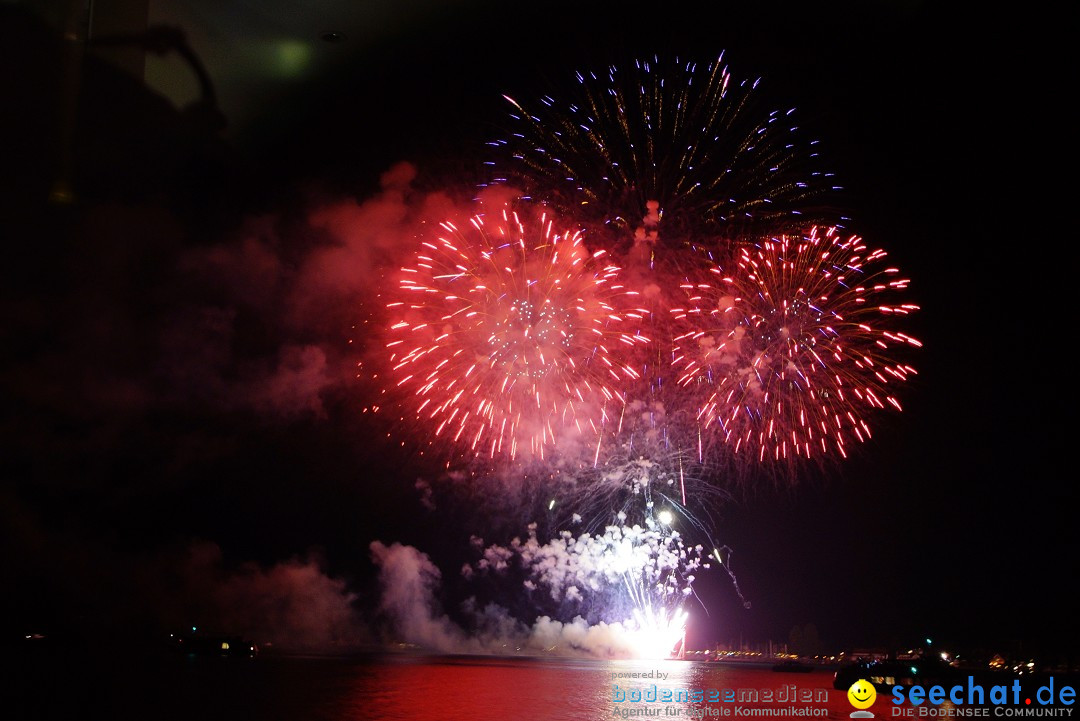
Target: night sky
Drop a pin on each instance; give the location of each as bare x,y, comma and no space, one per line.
162,389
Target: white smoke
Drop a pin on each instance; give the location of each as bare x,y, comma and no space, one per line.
626,578
410,582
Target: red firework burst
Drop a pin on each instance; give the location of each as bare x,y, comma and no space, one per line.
505,335
791,348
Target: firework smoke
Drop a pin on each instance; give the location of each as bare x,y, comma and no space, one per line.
410,584
617,584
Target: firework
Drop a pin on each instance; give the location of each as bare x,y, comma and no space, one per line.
506,335
629,561
675,144
722,333
790,349
656,634
637,576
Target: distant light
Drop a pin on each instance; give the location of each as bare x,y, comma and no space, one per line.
224,645
291,58
928,642
333,37
193,629
552,504
665,517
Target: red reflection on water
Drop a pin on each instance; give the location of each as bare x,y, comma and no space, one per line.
484,689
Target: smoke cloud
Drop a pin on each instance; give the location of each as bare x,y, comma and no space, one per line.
410,585
293,604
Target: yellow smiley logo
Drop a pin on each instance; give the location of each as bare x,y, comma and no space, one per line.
862,694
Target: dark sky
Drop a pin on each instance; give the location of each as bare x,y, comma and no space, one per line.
955,522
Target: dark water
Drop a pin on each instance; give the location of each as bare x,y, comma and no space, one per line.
399,688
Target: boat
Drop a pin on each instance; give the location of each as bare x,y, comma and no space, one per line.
793,666
884,674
